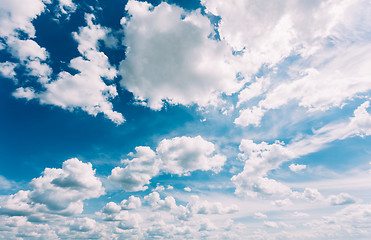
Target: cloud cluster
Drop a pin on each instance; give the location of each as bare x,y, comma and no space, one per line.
171,56
261,158
324,36
179,155
86,89
57,191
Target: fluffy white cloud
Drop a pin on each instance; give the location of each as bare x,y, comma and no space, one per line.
139,170
312,194
131,203
57,191
17,14
157,203
179,155
259,159
86,89
16,204
32,56
7,69
341,199
171,57
67,6
250,116
62,189
198,206
297,167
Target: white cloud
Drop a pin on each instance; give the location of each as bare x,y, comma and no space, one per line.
282,203
198,206
57,191
17,14
333,50
300,215
171,57
297,167
83,224
179,155
138,171
64,189
7,69
259,215
312,194
255,89
262,158
67,6
341,199
5,183
131,203
157,203
86,89
111,208
250,116
32,56
270,31
16,204
329,82
187,189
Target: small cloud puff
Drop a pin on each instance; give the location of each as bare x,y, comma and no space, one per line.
297,167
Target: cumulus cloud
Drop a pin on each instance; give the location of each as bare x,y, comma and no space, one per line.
60,189
312,194
138,171
7,69
86,89
179,155
297,167
172,57
57,191
259,159
198,206
250,116
341,199
17,14
131,203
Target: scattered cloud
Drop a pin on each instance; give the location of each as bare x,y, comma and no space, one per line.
179,155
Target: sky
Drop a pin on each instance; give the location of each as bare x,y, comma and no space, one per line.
174,119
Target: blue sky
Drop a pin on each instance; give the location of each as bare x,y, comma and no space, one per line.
185,119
